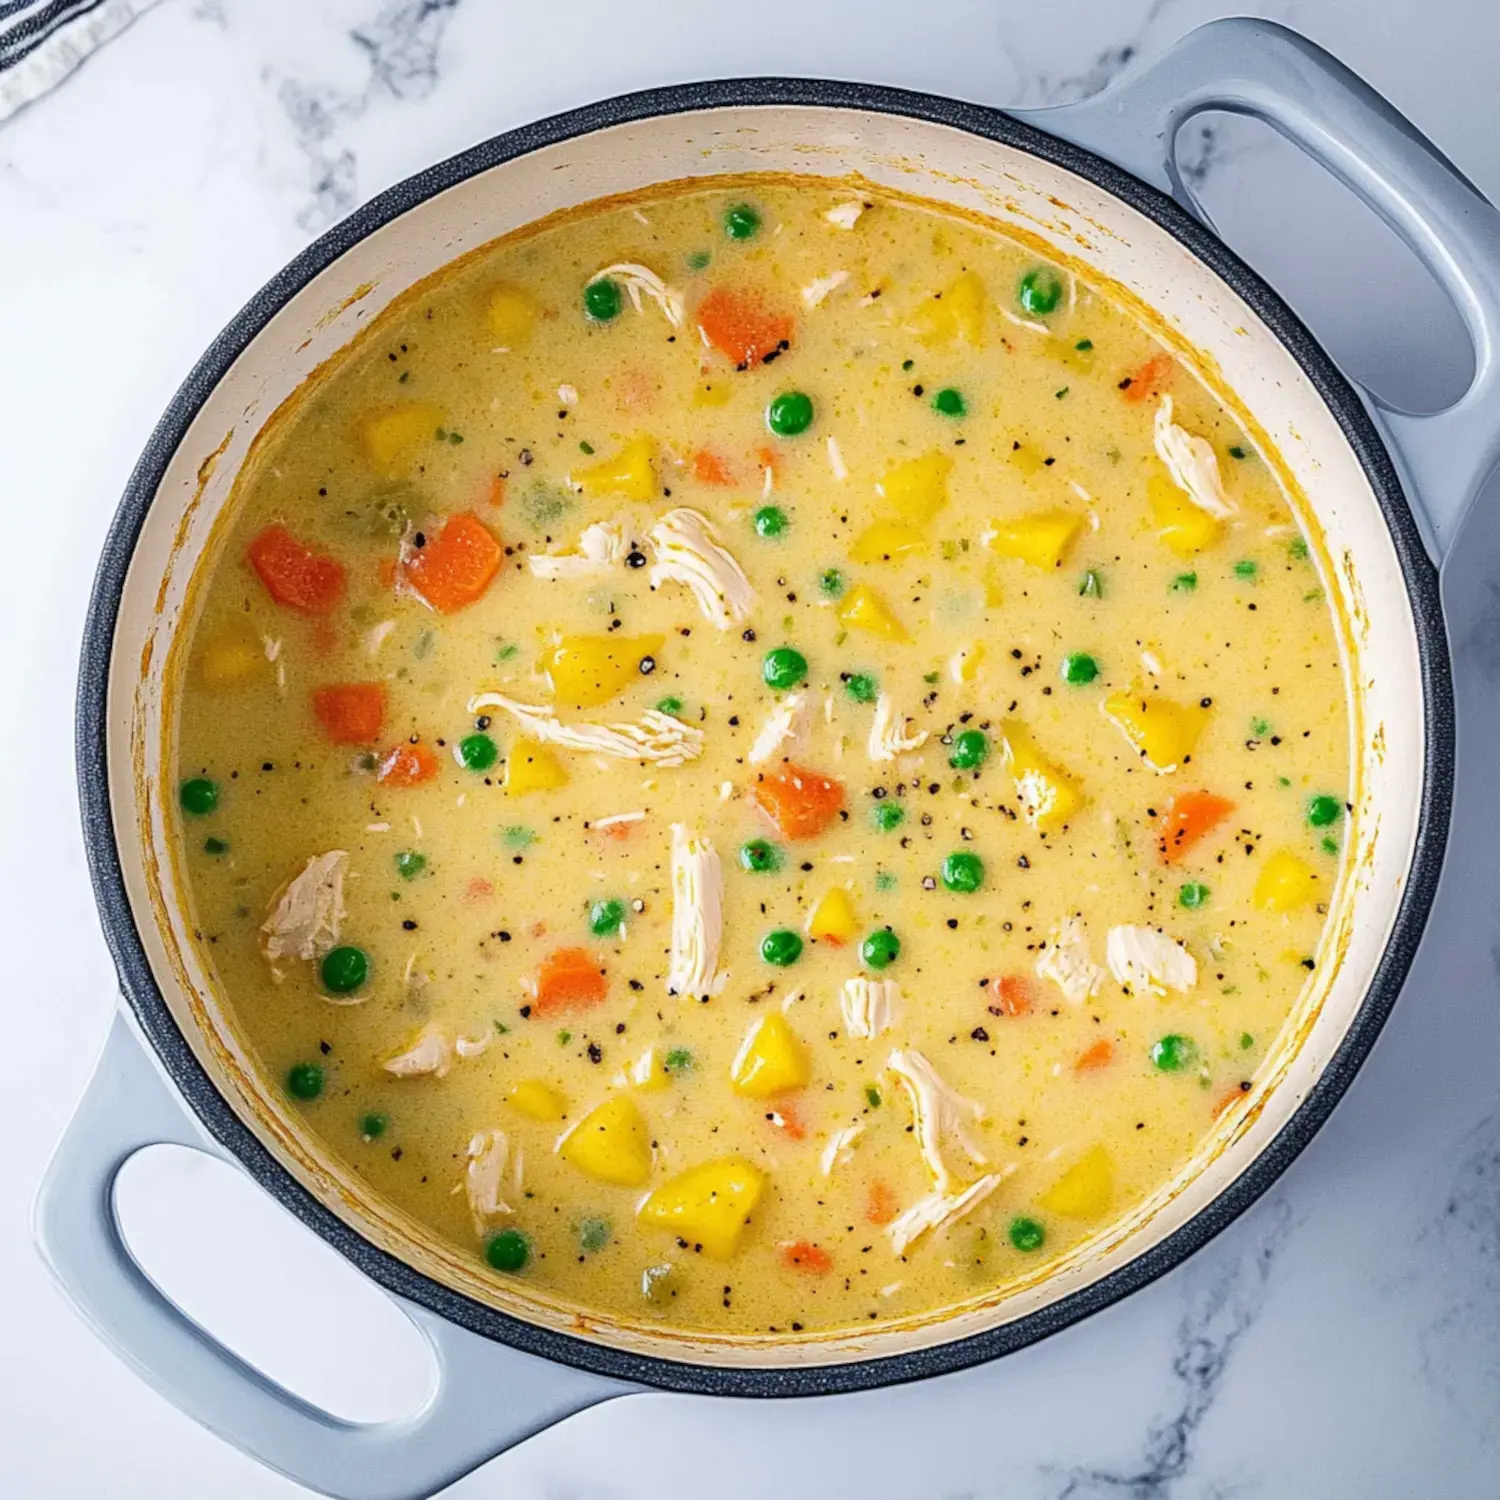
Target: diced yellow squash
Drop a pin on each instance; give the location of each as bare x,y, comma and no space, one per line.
648,1072
883,540
1049,796
707,1205
833,918
917,489
712,393
1041,539
957,312
631,473
864,609
1286,882
532,767
771,1060
1027,460
1162,731
611,1142
537,1101
511,312
230,660
1085,1190
1184,527
393,436
965,663
586,670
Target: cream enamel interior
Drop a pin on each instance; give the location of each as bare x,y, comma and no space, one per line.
1077,221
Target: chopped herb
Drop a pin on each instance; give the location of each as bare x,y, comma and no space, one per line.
564,1037
669,705
1184,583
508,650
678,1060
585,447
1237,452
1084,344
872,1096
517,837
887,816
1259,727
1193,895
543,504
698,260
1315,597
1091,585
1059,394
606,918
215,846
1297,547
930,677
884,880
1330,846
593,1234
1246,1041
907,364
831,582
861,687
1246,568
410,864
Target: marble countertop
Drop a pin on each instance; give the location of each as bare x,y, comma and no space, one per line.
1341,1340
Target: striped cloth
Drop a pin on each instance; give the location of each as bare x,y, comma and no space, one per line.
42,41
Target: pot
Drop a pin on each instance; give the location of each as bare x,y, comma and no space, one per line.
1097,185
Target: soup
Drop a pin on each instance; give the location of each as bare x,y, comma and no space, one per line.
761,759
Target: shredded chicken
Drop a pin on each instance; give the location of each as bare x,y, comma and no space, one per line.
845,215
375,637
658,737
939,1211
1148,962
941,1115
637,279
869,1006
836,460
786,724
1067,963
840,1147
431,1054
304,916
616,818
821,288
1192,463
688,552
888,732
600,547
697,914
489,1156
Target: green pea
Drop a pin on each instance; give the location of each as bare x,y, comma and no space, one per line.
215,846
741,221
304,1080
781,946
783,668
1039,292
789,413
199,796
970,750
478,752
949,402
861,687
410,864
344,969
1091,585
1323,810
1193,895
887,815
593,1234
880,948
601,299
508,1251
770,520
963,872
1174,1052
669,705
1080,669
606,918
831,582
1027,1235
760,857
372,1125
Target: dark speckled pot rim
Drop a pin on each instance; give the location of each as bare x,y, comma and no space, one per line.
139,984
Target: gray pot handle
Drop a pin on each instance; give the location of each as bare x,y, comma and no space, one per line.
1257,68
487,1398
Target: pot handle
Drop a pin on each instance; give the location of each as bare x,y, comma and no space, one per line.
488,1396
1258,68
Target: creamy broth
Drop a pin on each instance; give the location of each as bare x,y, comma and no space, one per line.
863,861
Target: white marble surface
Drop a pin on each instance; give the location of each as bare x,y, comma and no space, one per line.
1341,1341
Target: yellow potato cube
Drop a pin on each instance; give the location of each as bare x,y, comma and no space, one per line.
611,1143
1085,1190
1163,732
883,540
771,1060
648,1072
707,1205
712,393
1049,796
1041,539
864,609
586,670
231,660
631,473
1184,527
917,489
394,436
532,767
833,918
1027,460
957,312
534,1099
511,313
965,664
1286,882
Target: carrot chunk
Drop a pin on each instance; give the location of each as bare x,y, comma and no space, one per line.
742,326
1188,817
453,566
1014,995
295,576
709,468
408,765
1100,1055
569,979
803,1255
351,713
799,804
881,1206
1149,379
787,1117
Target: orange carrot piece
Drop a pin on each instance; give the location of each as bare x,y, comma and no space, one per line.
453,566
742,326
1100,1055
408,765
351,713
709,468
1149,379
569,979
619,832
881,1206
1014,995
799,803
295,576
1188,817
803,1255
769,458
478,889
